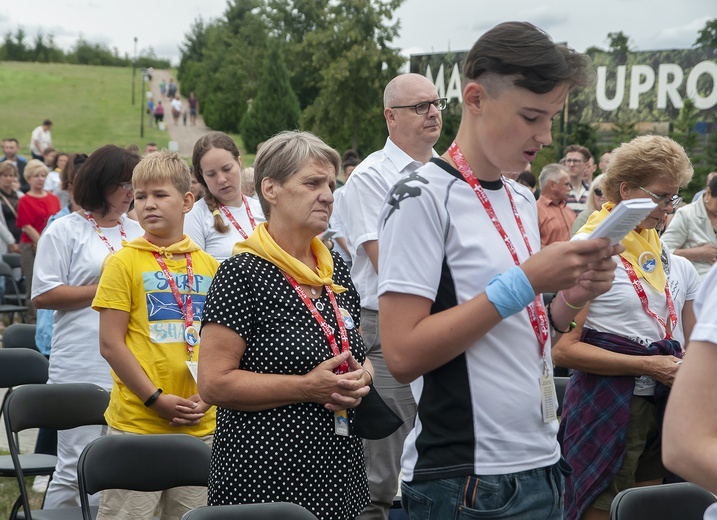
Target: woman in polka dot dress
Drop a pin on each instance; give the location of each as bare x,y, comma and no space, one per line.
281,355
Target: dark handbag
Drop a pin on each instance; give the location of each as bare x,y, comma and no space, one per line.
373,418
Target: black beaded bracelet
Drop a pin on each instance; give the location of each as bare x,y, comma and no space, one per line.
571,326
152,398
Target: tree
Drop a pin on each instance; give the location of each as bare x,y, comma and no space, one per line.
192,51
584,134
356,64
683,128
619,45
623,131
291,21
275,107
707,37
222,63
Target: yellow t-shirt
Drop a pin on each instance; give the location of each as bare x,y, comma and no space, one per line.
133,282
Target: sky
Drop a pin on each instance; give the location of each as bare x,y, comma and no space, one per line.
426,25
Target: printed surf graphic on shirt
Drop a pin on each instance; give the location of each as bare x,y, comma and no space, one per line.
166,321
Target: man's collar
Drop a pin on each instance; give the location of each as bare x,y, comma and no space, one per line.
398,157
550,202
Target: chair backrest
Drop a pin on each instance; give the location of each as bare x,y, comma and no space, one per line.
14,260
22,367
20,335
560,384
12,290
141,463
5,270
58,407
269,511
685,501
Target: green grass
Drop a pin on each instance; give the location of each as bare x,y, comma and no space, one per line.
9,492
89,106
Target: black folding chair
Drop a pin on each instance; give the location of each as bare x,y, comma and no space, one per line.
14,260
12,294
268,511
141,463
20,335
683,501
23,367
61,407
561,384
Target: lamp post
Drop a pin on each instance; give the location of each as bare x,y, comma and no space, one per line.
141,108
134,67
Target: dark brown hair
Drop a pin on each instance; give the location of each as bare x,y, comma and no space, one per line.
104,170
523,50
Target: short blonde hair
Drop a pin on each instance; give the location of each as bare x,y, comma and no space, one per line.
646,159
34,167
162,168
597,184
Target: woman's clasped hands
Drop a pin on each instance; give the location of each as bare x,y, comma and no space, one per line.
338,391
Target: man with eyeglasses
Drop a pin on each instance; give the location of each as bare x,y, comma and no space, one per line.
412,110
576,159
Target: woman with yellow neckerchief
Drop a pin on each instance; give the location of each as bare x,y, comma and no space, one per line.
627,345
282,357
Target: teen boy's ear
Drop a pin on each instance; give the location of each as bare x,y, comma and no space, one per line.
474,95
188,202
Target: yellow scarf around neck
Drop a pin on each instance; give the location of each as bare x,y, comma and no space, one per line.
186,245
261,244
636,244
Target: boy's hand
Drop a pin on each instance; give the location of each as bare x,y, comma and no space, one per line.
178,410
563,265
201,407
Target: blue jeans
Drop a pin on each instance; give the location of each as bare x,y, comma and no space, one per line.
535,494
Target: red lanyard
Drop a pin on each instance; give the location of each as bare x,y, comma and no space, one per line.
92,221
325,327
536,312
645,304
191,335
233,220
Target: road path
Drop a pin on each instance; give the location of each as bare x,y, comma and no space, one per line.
184,135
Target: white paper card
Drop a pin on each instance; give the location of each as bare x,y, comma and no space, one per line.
622,219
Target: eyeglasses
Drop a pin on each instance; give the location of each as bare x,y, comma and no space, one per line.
126,186
574,161
598,192
425,107
664,200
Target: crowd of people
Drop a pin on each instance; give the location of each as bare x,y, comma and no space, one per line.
155,111
263,309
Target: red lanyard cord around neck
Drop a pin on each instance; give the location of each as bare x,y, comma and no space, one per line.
233,221
101,234
184,307
325,327
536,312
668,327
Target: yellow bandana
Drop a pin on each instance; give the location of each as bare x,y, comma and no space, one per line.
642,250
186,245
262,245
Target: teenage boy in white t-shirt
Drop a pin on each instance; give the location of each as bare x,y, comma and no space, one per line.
459,315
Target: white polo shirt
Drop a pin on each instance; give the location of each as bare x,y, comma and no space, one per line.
362,200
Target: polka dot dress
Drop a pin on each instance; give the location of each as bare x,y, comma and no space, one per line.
290,453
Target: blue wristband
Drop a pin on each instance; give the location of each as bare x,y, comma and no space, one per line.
510,292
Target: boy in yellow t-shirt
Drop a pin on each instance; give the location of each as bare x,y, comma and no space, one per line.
150,298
